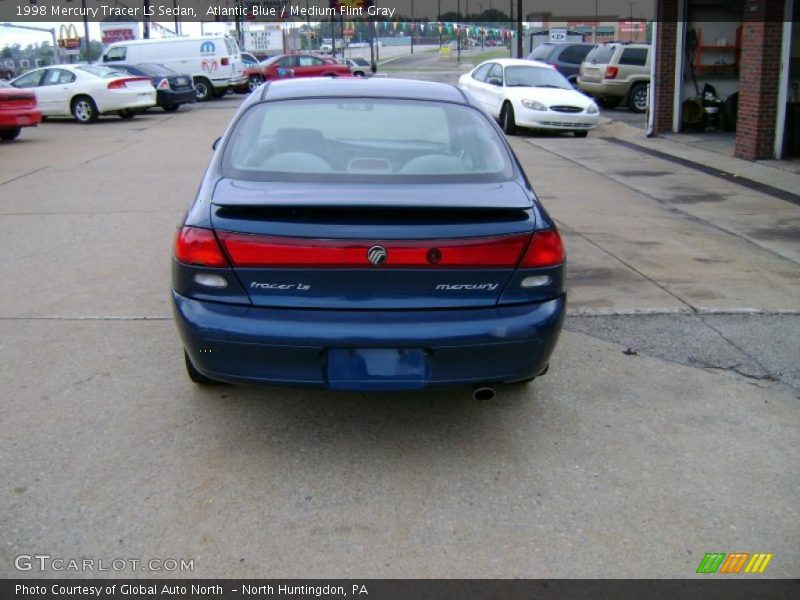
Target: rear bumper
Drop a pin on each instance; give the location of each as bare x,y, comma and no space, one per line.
23,117
243,344
170,97
604,89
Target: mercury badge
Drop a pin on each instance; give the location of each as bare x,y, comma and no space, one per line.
377,255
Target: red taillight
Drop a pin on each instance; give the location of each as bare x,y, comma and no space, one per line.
121,84
611,72
225,61
554,65
261,251
546,250
195,246
163,84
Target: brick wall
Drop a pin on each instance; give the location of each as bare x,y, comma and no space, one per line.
664,85
759,75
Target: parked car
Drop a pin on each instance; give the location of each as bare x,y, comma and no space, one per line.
566,57
524,93
297,65
214,62
87,91
359,67
248,60
615,73
172,89
18,109
6,73
329,247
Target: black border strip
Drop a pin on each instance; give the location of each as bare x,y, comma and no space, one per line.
743,181
734,587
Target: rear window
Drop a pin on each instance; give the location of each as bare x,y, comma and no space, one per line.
231,46
634,56
155,70
575,54
601,54
541,52
359,140
104,72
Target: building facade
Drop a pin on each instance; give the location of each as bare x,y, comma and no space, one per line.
736,61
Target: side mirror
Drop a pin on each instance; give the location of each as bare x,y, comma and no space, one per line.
216,143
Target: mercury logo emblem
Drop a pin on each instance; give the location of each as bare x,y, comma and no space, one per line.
377,255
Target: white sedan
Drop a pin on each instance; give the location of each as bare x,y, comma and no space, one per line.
526,93
87,91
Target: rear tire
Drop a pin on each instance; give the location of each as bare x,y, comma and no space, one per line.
507,119
171,107
10,134
84,110
203,90
127,114
637,98
195,375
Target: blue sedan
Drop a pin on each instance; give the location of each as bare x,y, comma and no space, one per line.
366,235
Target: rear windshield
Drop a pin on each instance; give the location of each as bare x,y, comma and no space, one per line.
104,72
541,52
155,70
365,140
601,54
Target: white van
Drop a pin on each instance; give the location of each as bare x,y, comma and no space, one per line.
213,61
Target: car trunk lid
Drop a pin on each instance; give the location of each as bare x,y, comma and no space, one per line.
372,247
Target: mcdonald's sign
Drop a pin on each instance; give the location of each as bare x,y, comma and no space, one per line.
68,37
731,564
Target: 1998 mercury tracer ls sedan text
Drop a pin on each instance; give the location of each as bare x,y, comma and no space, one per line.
366,235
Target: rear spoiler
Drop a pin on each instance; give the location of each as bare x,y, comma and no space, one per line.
492,196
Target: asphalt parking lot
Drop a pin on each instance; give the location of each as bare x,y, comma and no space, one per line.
666,428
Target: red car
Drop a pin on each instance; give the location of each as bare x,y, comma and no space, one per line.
18,109
294,65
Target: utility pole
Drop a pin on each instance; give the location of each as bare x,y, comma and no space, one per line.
594,27
519,29
177,21
458,32
412,27
145,20
86,31
630,22
439,22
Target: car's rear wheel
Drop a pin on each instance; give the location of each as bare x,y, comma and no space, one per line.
10,134
359,74
637,99
203,90
254,82
195,375
507,119
581,133
126,114
84,110
171,107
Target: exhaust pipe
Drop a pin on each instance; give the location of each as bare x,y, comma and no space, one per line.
483,393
